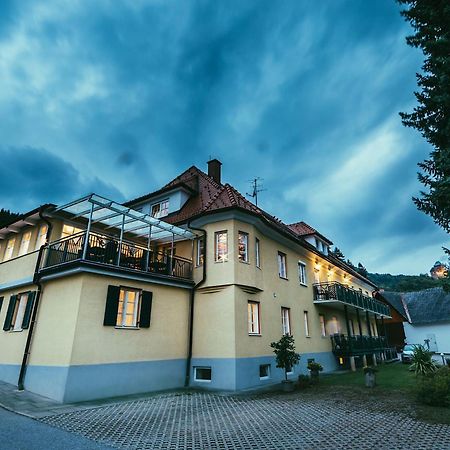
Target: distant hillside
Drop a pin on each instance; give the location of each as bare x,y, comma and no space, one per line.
403,283
6,216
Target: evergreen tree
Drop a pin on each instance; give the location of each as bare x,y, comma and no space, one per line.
338,254
431,23
362,270
6,217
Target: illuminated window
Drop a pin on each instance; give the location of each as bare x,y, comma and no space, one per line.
200,251
302,273
282,270
323,330
306,320
257,253
9,249
334,325
68,230
25,243
253,318
285,321
243,246
221,246
128,310
42,235
160,209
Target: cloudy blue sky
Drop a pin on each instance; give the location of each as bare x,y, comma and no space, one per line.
118,97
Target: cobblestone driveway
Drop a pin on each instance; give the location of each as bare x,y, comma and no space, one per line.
210,421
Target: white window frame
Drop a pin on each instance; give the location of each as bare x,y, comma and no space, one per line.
200,251
163,209
9,249
253,318
244,256
286,321
19,312
258,253
282,265
220,257
306,320
302,273
202,380
265,377
41,237
24,244
123,315
323,325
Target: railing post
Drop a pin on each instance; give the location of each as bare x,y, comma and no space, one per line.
88,230
171,256
120,240
147,259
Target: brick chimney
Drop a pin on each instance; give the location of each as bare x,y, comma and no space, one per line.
214,170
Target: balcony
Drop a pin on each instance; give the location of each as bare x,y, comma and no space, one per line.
108,251
344,346
337,294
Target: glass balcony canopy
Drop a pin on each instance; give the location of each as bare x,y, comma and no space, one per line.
112,215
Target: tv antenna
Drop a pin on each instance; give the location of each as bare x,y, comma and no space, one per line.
256,188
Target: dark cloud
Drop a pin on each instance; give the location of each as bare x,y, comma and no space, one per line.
30,177
303,94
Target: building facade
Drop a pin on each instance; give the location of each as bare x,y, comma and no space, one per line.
186,286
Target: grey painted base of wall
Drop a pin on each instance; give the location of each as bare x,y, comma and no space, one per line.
67,384
243,373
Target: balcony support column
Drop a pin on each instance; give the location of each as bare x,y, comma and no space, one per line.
347,324
149,239
352,364
88,230
364,360
359,322
171,255
121,240
369,328
374,359
376,324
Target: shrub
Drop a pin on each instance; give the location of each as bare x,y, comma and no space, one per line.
315,367
422,364
303,381
434,389
285,353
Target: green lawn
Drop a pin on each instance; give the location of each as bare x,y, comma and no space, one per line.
394,376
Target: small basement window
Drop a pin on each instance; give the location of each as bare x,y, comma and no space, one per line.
264,371
202,373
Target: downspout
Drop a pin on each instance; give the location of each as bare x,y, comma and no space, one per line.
26,354
191,307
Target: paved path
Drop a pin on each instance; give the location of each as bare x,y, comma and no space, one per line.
21,433
211,421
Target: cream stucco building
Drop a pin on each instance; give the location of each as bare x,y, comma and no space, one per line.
186,286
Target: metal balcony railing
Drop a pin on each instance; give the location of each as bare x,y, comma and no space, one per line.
109,251
324,292
358,345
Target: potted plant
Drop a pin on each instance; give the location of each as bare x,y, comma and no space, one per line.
314,369
370,377
303,381
286,357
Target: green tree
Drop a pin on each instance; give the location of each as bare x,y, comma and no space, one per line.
6,216
431,23
285,353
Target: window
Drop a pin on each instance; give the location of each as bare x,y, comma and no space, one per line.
160,209
19,312
9,249
334,325
221,244
200,251
41,238
25,243
264,371
68,230
352,327
285,321
302,273
305,318
243,246
282,272
253,318
202,374
323,329
127,312
257,253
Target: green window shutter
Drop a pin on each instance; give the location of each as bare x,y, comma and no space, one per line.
1,303
10,312
146,309
28,310
112,306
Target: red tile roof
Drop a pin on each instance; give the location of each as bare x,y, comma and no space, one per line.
303,229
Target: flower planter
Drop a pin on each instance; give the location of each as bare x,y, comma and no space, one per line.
314,376
370,379
287,386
